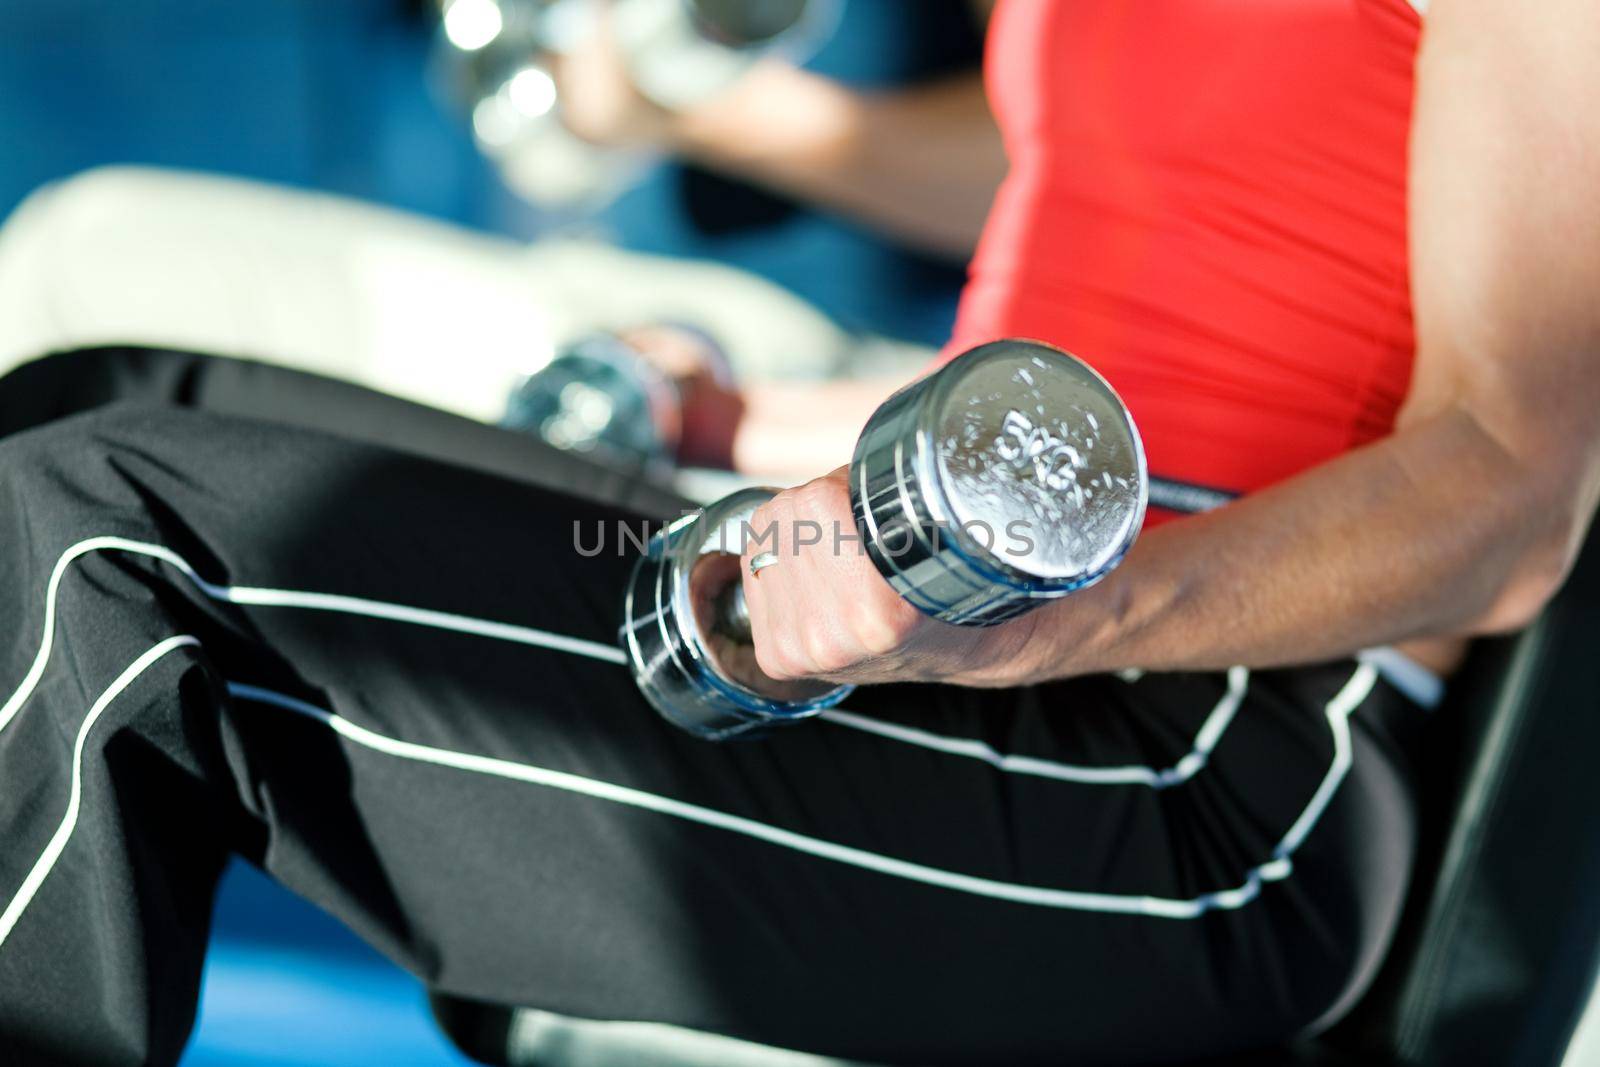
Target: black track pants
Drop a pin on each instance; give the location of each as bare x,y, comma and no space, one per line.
352,641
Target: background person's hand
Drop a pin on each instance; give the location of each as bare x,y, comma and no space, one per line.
599,101
711,405
824,611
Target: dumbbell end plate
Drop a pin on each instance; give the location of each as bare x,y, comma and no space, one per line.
1013,475
696,676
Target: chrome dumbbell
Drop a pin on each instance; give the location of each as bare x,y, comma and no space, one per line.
599,395
683,53
492,57
1012,476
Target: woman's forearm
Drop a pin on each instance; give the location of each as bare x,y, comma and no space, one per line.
922,163
798,428
1435,531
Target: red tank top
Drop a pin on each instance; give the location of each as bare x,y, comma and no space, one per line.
1207,202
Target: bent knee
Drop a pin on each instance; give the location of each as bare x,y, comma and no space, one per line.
66,215
76,261
86,461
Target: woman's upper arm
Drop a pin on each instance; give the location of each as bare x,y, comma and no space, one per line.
1505,240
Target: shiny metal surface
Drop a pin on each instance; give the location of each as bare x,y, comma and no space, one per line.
684,52
599,396
746,23
1038,442
493,58
733,614
1013,475
687,636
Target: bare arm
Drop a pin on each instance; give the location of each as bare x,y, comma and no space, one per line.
796,428
1464,521
921,162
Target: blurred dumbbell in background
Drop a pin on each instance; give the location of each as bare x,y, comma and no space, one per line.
494,56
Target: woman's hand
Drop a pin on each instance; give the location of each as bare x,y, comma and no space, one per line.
824,611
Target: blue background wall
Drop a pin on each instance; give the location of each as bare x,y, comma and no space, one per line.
334,94
326,94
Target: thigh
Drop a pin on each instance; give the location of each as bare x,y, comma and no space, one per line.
399,302
68,383
429,730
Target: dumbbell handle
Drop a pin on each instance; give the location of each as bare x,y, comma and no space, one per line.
732,615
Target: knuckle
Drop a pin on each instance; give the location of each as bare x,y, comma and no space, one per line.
806,497
774,659
881,628
823,496
822,651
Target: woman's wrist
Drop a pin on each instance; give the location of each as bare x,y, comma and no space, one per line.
1010,654
1062,639
1022,651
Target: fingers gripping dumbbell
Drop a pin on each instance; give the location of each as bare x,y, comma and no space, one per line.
1012,476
